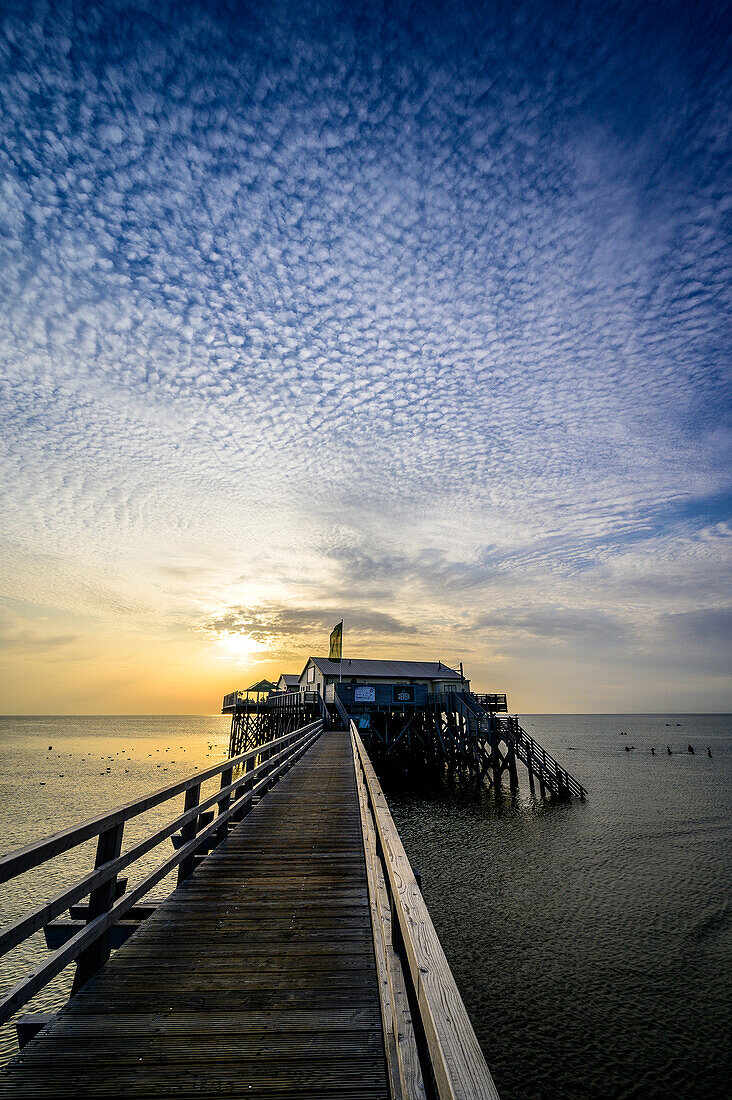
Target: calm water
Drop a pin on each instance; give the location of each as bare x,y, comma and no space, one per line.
591,942
92,764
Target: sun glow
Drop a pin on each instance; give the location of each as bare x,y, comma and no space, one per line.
237,647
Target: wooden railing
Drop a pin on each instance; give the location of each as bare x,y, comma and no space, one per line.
233,698
342,712
430,1044
491,702
541,762
199,830
287,700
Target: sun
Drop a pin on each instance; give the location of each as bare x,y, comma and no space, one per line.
237,647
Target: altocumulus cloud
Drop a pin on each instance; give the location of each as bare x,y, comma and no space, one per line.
289,632
417,312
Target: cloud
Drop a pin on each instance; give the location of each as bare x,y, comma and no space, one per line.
309,310
29,642
286,631
24,637
710,626
589,626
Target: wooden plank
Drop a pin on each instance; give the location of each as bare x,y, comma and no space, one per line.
405,1072
255,978
458,1063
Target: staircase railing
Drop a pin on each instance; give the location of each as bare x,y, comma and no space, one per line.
536,758
533,755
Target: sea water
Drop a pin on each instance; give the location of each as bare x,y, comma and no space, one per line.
591,942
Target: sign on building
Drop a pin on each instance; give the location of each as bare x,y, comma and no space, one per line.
403,693
364,694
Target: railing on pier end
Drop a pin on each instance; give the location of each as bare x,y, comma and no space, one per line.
431,1047
539,761
491,702
198,831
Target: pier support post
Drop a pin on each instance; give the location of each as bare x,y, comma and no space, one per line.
512,770
495,759
530,770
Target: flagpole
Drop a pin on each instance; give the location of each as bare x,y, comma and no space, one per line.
340,674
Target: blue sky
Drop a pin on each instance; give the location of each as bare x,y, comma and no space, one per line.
411,314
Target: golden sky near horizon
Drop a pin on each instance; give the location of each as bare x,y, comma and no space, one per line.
310,319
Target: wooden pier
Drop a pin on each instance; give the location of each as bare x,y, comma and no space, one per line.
449,733
296,956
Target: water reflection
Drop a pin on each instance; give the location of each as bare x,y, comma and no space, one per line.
57,772
590,941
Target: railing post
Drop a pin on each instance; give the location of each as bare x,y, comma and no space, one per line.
245,789
101,901
193,797
226,777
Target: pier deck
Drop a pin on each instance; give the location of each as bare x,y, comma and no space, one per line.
256,978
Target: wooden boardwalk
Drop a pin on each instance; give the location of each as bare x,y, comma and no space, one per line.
256,978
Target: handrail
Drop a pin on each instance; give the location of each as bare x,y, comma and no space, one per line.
290,700
538,753
39,851
342,712
90,945
451,1056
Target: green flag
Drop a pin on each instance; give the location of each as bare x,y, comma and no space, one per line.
336,643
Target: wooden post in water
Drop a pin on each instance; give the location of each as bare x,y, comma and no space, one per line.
493,739
530,768
512,770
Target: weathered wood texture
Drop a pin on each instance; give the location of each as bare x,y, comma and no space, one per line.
454,1057
276,763
256,978
402,1055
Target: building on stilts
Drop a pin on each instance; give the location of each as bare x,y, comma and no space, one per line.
413,715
